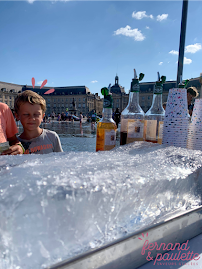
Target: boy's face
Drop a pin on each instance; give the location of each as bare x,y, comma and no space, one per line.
30,115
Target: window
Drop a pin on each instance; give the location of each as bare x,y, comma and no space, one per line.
84,99
83,105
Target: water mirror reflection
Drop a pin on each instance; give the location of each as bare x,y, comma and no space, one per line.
72,136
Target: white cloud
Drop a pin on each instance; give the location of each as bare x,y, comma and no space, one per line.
94,81
187,61
193,48
162,17
147,27
40,82
140,15
160,63
31,1
174,52
127,31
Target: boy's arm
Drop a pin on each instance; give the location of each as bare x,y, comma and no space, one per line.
15,147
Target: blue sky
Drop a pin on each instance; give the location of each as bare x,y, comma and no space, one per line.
73,43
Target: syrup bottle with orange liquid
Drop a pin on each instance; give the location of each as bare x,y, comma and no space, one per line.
106,127
132,117
153,129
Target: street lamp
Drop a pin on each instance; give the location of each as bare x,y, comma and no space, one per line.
200,80
182,41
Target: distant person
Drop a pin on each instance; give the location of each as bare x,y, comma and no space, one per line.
113,115
191,93
53,115
164,105
81,118
93,119
8,131
30,110
117,116
59,117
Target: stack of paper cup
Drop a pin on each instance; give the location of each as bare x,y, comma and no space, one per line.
195,128
176,122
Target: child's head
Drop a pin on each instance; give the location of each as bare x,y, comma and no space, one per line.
30,109
30,97
192,92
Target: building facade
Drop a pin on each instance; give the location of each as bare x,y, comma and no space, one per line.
8,92
59,101
86,102
62,98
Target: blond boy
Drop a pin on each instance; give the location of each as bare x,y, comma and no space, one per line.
30,110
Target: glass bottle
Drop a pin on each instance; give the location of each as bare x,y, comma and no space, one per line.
154,117
106,127
132,117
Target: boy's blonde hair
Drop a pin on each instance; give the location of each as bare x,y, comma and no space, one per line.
30,97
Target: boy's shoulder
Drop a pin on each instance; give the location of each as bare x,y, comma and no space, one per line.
47,132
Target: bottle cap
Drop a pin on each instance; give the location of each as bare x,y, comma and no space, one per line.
135,82
181,84
108,100
158,89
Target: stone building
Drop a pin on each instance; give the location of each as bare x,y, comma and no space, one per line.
120,98
62,98
86,102
8,92
59,100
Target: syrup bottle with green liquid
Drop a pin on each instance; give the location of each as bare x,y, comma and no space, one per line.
106,127
132,117
154,117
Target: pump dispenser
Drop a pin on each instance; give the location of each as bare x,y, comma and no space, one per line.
106,127
155,115
183,85
132,117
